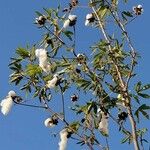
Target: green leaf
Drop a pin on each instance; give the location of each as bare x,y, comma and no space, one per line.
68,34
127,13
144,95
142,109
124,140
32,70
22,52
102,12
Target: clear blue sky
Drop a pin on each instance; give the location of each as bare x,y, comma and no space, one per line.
23,129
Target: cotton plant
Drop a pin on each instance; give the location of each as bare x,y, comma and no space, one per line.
107,66
41,54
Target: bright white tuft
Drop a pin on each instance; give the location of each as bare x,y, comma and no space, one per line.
103,124
11,93
52,83
49,123
6,105
89,16
72,17
41,54
139,6
63,139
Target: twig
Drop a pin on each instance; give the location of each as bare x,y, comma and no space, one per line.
63,102
54,35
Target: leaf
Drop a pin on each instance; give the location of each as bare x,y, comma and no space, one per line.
102,12
38,13
145,87
32,70
68,34
141,110
144,95
22,52
124,140
127,13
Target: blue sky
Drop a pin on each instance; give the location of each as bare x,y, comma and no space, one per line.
23,129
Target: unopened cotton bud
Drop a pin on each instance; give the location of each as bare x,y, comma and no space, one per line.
52,83
7,103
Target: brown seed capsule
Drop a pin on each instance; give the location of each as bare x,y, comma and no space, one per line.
74,97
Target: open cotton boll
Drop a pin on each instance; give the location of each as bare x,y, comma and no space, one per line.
71,21
7,103
12,93
89,19
52,83
63,139
72,17
66,23
41,54
49,123
103,124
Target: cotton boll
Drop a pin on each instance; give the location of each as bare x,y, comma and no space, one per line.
89,19
103,124
66,23
40,20
6,105
41,54
46,67
63,139
87,23
72,17
71,21
49,123
52,83
89,16
11,93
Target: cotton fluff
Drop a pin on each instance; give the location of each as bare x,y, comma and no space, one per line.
103,124
89,19
52,83
7,103
41,54
49,123
63,139
71,21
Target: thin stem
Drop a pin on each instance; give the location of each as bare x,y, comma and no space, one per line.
28,105
107,143
54,35
74,42
63,102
